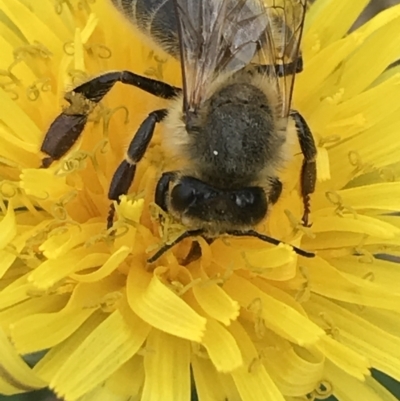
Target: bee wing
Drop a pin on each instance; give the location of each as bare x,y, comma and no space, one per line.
216,36
280,45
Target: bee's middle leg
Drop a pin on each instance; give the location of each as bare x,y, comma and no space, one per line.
125,173
308,175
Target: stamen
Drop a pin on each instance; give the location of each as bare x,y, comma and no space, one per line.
108,303
365,256
8,72
256,308
253,268
58,6
254,364
8,189
332,329
106,114
36,49
156,72
13,94
78,76
329,140
370,276
297,225
181,289
388,174
59,211
337,201
356,161
199,350
324,390
85,5
304,292
75,162
98,50
94,49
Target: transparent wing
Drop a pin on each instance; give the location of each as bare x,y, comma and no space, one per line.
218,36
280,45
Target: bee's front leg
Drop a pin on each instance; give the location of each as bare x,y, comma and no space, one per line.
125,173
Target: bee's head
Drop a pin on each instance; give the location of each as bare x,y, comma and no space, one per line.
194,200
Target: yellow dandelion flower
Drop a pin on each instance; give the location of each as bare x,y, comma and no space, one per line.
245,321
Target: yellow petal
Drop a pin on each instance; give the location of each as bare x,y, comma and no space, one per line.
323,168
159,306
101,392
62,241
252,380
382,273
18,121
359,224
347,388
222,348
208,384
215,301
285,321
53,270
53,360
16,292
106,269
370,104
32,306
381,348
8,228
45,330
36,30
331,20
345,358
109,346
16,376
128,379
350,158
383,196
295,370
327,281
166,365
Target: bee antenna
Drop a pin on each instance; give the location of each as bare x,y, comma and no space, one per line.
167,246
273,241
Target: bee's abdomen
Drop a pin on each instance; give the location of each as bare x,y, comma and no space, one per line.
155,18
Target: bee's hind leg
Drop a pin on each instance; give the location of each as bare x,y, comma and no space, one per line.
125,173
308,175
67,127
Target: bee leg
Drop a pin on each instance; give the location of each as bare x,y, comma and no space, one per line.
195,251
308,175
275,191
161,193
125,173
67,127
166,247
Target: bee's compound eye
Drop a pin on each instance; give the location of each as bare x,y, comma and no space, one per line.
244,199
182,196
251,204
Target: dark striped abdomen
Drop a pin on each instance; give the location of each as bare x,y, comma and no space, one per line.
155,18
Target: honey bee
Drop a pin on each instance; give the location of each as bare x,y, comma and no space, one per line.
232,119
